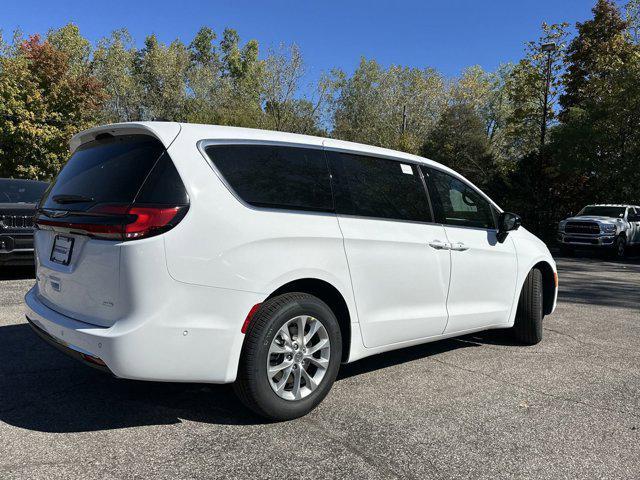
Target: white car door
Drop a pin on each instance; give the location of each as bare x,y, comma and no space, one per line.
399,281
483,270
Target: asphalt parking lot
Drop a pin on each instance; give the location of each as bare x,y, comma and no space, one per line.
475,407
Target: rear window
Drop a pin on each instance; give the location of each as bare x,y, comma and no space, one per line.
116,170
275,176
376,187
21,191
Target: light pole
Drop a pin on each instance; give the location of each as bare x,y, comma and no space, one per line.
549,48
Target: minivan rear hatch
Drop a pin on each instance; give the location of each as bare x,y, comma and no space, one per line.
114,189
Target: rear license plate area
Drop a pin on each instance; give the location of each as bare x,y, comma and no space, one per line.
62,250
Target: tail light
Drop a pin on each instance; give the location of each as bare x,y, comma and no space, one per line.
118,222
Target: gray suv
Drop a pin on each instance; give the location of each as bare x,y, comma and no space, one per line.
613,228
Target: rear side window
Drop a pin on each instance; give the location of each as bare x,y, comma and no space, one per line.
114,170
275,176
376,187
163,185
456,203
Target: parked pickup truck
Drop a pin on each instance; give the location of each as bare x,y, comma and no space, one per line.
18,199
610,227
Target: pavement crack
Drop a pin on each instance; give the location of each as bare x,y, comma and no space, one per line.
536,391
387,467
582,342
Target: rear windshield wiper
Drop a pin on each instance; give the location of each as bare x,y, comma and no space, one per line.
62,199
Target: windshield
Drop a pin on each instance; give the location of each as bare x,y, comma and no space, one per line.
21,191
616,212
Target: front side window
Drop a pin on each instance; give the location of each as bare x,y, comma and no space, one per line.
456,203
275,176
376,187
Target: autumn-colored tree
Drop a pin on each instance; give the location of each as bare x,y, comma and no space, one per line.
44,98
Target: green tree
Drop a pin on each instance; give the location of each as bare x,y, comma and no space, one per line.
459,140
114,64
394,107
485,93
162,71
525,86
284,108
243,74
599,140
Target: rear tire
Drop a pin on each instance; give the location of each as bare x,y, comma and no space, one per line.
277,318
528,325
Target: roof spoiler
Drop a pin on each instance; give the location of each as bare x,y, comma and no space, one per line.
166,132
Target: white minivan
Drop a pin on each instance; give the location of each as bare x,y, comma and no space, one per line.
194,253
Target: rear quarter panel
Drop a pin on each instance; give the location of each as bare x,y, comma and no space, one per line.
226,244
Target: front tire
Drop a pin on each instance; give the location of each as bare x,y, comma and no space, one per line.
528,325
284,374
620,247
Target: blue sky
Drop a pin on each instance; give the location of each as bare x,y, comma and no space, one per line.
446,34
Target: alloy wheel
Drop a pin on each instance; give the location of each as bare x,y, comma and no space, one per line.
298,357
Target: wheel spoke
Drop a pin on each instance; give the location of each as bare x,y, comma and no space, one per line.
311,383
314,327
301,322
284,333
275,348
320,362
296,384
283,381
324,342
273,369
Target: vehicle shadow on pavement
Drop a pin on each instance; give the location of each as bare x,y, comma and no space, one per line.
404,355
43,390
17,273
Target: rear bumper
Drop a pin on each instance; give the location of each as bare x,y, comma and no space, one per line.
173,348
70,350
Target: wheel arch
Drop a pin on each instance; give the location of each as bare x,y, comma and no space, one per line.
329,295
548,285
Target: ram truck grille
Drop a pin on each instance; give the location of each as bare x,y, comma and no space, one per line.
582,227
16,222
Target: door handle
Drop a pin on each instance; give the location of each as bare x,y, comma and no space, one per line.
459,247
439,245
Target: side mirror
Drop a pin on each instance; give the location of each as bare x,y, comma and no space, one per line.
506,223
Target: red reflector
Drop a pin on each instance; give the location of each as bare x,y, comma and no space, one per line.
250,315
92,359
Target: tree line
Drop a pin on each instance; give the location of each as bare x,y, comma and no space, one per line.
488,125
